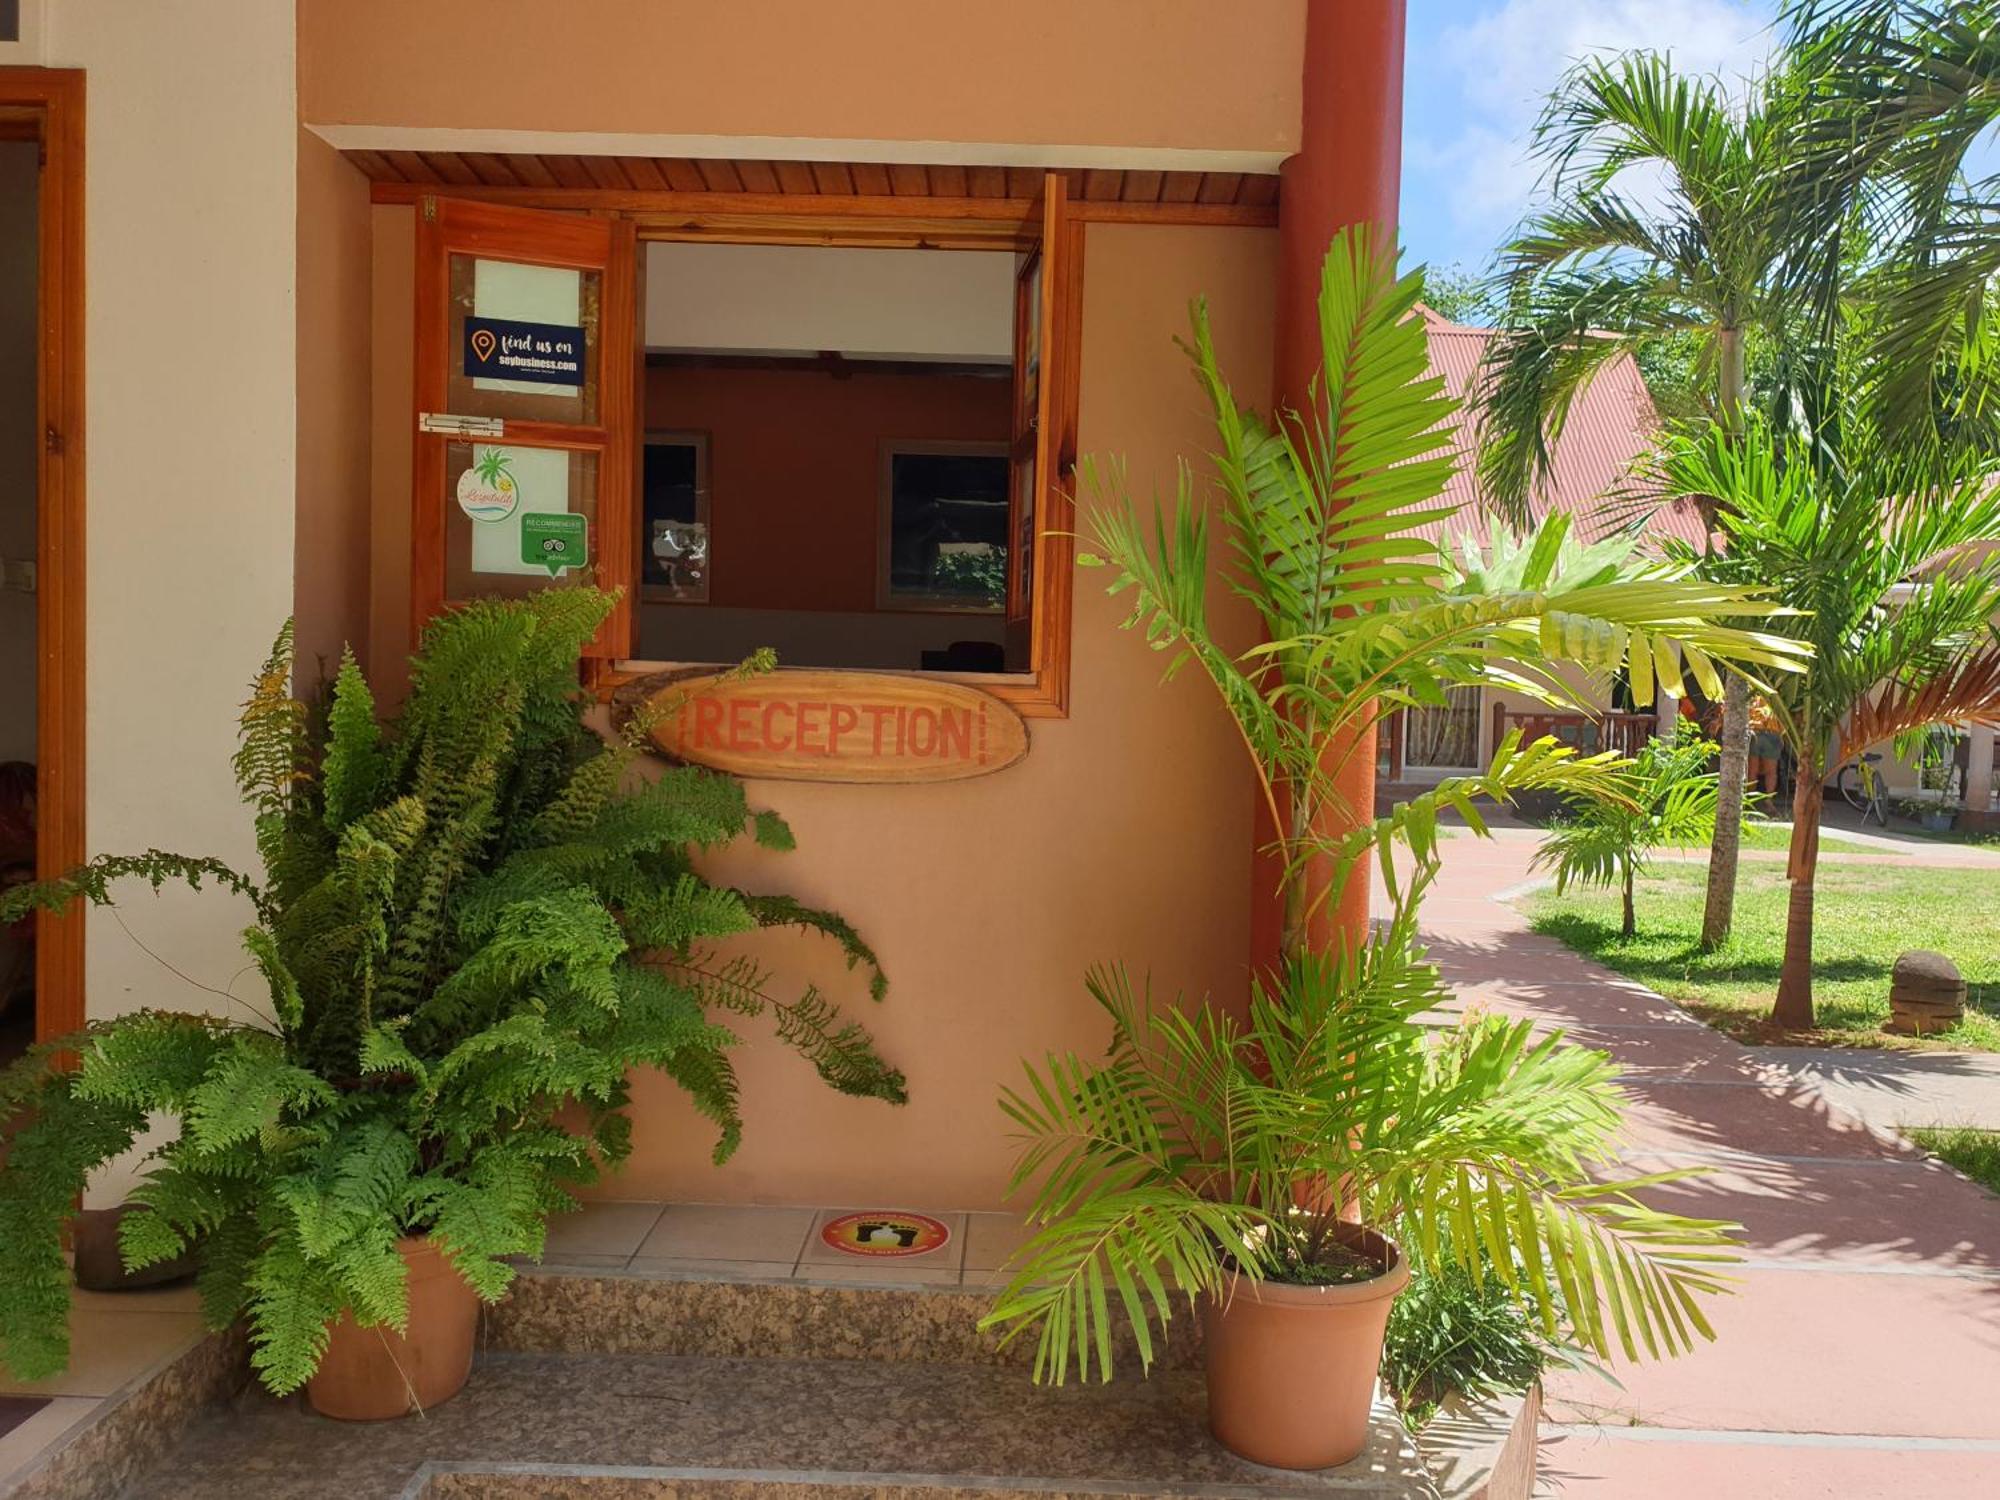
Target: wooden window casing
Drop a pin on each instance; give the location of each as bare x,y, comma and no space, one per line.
448,228
1048,223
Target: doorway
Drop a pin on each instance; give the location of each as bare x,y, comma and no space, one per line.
41,541
20,187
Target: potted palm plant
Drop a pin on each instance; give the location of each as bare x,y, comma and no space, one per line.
1267,1162
472,924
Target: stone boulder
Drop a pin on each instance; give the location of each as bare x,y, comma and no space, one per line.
1926,994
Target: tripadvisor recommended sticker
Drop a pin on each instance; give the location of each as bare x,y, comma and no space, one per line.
878,1233
554,540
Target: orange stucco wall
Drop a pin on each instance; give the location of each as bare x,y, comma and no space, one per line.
795,469
330,540
1120,837
1201,74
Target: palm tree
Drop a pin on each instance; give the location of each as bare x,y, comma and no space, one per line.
1745,244
1159,1166
1890,554
1911,85
1667,799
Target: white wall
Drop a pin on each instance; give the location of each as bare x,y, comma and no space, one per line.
18,187
940,304
190,376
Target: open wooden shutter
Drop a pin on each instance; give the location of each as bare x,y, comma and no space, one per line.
526,326
1039,378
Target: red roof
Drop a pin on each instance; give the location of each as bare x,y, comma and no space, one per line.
1611,423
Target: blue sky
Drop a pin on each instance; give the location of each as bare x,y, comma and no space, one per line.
1477,73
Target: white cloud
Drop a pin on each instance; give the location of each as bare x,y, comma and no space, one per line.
1502,63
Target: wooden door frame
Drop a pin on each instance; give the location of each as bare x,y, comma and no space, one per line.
52,101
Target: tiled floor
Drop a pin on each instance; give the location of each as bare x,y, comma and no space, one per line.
768,1243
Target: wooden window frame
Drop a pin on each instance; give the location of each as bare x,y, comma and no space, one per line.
699,440
571,243
47,105
887,450
1042,690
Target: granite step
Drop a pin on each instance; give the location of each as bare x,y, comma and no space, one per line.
568,1310
612,1426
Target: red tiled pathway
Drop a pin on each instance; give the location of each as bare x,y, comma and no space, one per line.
1860,1356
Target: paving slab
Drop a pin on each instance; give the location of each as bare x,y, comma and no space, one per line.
1891,1089
1860,1352
1817,1351
1916,1217
1582,1464
1690,1114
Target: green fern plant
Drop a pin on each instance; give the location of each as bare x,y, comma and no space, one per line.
1208,1145
473,923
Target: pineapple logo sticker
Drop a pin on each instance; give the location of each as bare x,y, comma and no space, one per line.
556,540
487,491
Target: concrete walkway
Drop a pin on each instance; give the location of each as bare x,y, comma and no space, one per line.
1860,1358
1891,1090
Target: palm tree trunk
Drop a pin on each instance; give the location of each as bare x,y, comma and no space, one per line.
1794,1007
1729,377
1631,925
1720,912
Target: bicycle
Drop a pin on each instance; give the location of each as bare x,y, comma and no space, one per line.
1863,787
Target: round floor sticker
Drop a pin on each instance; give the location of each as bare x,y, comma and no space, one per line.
885,1234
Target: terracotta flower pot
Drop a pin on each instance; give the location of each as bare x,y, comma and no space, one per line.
1291,1369
370,1374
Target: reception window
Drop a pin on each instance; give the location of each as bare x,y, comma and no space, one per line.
852,453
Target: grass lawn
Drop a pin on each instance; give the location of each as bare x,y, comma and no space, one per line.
1976,1153
1867,915
1758,834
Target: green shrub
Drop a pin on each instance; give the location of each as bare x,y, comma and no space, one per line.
1450,1335
473,922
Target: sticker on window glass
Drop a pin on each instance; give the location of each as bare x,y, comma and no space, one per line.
488,491
555,540
535,304
510,349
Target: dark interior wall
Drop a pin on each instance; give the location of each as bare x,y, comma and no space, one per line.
795,465
19,174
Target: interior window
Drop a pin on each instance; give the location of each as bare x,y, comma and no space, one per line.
831,433
944,519
673,518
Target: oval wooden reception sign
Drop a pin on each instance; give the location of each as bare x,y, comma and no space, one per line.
836,726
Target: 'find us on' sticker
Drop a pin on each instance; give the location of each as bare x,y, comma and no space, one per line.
878,1233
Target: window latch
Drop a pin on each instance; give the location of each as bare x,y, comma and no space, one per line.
457,426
